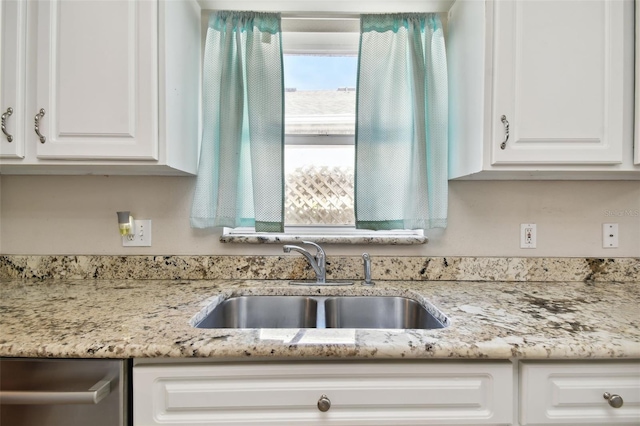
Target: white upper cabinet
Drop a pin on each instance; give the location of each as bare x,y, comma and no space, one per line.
636,158
13,14
541,89
97,75
101,92
558,80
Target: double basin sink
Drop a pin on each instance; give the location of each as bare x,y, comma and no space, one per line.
370,312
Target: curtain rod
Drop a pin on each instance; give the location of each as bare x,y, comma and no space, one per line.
320,15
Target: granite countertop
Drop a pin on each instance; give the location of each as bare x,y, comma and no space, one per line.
150,318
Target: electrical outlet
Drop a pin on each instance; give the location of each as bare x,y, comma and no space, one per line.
528,235
141,237
609,235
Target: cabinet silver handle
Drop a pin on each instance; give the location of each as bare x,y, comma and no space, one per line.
614,400
324,403
4,123
94,395
503,145
37,127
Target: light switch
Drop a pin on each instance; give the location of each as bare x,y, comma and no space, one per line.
141,237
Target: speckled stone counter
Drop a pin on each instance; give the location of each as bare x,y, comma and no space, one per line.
495,320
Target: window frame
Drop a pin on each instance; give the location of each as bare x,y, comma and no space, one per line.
326,235
310,43
319,139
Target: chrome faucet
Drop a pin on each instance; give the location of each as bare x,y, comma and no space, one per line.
317,262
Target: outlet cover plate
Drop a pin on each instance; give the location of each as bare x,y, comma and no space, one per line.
528,238
142,236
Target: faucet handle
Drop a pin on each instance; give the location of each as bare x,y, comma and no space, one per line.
319,249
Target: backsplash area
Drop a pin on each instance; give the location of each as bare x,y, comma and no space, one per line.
343,267
76,215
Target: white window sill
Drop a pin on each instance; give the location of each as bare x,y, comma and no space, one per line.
323,235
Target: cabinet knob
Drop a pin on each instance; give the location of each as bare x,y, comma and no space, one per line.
503,145
39,115
614,400
4,124
324,403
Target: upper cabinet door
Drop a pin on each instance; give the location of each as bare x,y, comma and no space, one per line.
636,157
558,81
12,77
97,79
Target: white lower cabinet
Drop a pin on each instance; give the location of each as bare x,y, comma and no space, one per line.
393,393
574,393
387,393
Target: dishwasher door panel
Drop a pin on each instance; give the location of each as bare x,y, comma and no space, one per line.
66,392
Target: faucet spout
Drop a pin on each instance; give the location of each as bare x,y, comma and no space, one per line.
317,262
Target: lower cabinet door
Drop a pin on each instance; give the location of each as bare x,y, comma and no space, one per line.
407,393
590,393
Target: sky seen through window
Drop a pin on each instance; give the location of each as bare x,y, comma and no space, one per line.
308,72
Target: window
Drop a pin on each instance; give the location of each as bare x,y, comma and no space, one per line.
320,75
320,102
320,72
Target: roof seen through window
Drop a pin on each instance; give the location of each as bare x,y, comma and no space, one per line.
320,94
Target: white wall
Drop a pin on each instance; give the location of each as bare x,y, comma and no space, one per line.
77,215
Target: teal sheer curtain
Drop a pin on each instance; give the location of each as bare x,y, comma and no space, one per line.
241,172
401,130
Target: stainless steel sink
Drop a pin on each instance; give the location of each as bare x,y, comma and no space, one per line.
263,312
377,312
319,312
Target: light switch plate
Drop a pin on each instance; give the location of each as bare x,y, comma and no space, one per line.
610,235
142,236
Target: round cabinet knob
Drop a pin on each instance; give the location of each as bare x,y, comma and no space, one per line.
614,400
324,403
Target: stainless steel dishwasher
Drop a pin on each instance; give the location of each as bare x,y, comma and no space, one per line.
69,392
